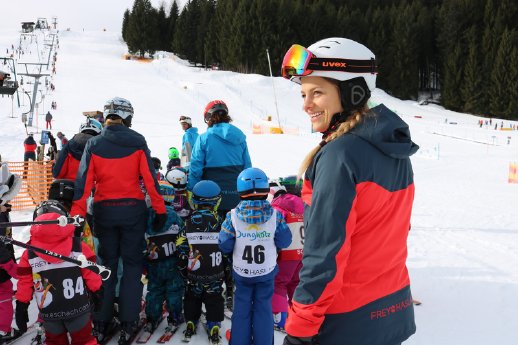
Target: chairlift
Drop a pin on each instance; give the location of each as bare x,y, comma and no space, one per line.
7,87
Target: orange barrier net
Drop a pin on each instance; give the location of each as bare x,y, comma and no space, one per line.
37,177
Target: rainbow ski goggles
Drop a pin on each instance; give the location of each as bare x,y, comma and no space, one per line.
300,62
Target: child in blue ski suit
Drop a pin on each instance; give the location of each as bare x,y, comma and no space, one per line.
204,262
165,282
253,232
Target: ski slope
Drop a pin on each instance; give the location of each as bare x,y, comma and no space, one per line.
463,246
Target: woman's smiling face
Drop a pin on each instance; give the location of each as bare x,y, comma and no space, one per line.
321,101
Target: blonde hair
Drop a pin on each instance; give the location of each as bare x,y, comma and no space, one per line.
344,127
112,121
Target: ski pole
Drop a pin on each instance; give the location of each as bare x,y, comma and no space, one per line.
61,221
81,260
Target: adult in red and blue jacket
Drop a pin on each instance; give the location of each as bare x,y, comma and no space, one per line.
29,146
69,157
114,161
219,155
358,189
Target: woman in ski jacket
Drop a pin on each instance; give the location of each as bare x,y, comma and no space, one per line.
358,189
219,155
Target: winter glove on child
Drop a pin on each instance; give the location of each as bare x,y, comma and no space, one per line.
159,221
290,340
22,316
97,299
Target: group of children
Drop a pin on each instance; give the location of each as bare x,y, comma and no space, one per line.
185,263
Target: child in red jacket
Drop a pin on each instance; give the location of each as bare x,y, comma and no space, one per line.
62,290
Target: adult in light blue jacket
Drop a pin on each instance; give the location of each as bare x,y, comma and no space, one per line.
219,154
188,139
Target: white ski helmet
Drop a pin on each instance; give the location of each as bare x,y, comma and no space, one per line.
360,61
92,126
177,177
120,107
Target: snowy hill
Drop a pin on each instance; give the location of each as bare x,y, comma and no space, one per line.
463,247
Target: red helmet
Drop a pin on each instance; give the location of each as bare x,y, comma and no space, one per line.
214,107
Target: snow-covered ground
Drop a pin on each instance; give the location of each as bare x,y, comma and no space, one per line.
463,247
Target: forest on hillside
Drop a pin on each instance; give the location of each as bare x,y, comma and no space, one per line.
466,51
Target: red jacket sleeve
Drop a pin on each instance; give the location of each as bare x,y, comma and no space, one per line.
25,287
92,280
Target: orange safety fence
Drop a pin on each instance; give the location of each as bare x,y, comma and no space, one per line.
36,177
513,172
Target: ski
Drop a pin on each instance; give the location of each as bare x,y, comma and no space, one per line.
135,334
18,336
147,332
168,334
81,260
112,330
416,302
61,221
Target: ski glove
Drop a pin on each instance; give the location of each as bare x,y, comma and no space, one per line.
97,299
290,340
159,221
22,316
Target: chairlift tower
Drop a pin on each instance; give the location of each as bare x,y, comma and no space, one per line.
36,76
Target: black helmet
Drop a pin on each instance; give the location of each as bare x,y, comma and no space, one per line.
50,206
62,190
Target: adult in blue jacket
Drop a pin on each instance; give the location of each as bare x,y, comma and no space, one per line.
219,155
188,139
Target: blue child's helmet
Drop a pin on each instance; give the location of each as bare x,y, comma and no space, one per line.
167,192
252,181
206,192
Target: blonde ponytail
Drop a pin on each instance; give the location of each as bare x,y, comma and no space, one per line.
344,127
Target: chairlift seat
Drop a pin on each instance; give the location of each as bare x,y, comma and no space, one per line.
9,87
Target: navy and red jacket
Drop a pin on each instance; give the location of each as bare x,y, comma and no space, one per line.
114,161
29,144
69,157
354,285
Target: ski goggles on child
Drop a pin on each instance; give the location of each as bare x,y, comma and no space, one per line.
300,62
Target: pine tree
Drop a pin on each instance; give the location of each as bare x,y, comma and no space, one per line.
501,83
172,18
452,74
125,23
473,84
142,29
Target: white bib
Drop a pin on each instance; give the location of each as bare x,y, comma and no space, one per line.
254,253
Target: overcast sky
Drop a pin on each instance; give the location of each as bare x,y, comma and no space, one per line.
74,14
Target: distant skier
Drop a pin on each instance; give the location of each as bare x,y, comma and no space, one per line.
48,120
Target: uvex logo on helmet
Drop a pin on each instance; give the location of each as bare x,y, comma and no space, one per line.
334,64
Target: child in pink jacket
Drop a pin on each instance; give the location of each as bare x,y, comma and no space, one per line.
289,259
